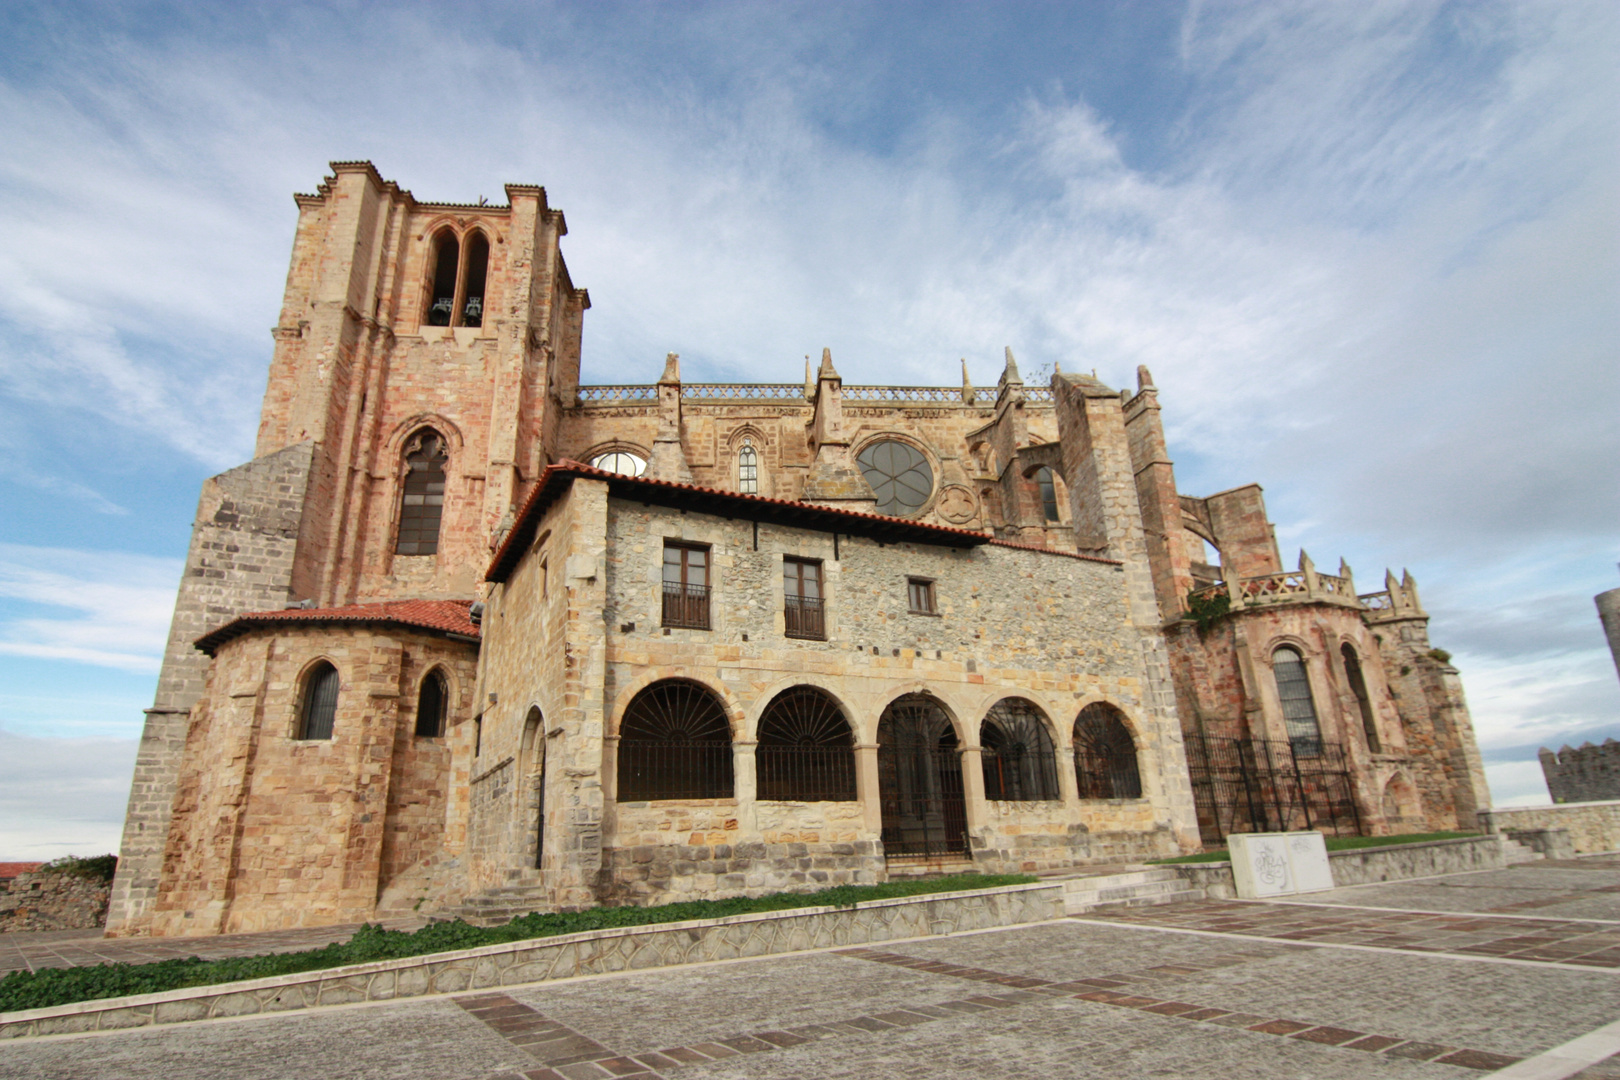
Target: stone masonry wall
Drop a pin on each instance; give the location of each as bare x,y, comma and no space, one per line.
52,901
1593,826
241,558
271,831
1011,622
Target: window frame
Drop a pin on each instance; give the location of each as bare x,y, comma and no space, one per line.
315,678
417,446
687,606
435,675
804,617
1302,743
747,468
930,597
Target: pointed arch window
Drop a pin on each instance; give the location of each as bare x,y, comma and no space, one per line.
422,500
430,706
1358,687
675,743
806,749
1016,752
1298,707
1105,755
460,273
1048,485
748,469
319,707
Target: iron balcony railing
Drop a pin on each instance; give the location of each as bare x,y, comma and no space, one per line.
686,605
806,618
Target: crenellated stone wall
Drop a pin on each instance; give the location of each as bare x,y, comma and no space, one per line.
1582,774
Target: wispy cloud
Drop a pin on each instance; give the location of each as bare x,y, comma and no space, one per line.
99,608
62,796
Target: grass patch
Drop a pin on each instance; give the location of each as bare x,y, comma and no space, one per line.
62,986
1334,843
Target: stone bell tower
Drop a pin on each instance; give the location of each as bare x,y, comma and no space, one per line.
420,363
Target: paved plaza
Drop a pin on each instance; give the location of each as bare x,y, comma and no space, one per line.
1459,976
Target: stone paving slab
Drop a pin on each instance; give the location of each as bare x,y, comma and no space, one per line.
77,948
1572,889
1542,939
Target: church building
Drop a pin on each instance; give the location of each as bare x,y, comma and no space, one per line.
469,637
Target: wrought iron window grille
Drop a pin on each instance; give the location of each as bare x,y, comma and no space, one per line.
316,719
1105,765
1016,753
806,750
674,743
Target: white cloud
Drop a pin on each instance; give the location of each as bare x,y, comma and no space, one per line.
100,608
62,796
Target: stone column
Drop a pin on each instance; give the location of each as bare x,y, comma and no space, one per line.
867,787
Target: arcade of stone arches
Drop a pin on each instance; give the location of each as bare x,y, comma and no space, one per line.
675,742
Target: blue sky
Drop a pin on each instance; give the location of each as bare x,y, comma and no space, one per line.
1369,251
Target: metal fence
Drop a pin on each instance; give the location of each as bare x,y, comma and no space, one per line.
805,773
1270,785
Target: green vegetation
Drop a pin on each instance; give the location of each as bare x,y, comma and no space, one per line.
60,986
1334,843
1440,655
1206,611
100,867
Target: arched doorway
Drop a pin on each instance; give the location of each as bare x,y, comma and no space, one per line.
920,780
532,789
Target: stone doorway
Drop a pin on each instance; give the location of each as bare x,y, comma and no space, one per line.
920,780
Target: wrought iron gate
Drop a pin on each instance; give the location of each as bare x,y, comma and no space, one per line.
1270,785
920,780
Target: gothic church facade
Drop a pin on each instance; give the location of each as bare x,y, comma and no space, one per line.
465,632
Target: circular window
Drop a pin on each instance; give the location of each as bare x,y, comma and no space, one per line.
620,461
899,475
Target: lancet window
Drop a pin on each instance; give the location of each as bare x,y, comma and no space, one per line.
459,279
1358,687
430,706
422,497
748,469
1048,488
319,706
1298,707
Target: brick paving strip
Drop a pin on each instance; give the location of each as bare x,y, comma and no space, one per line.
1551,941
564,1052
1103,991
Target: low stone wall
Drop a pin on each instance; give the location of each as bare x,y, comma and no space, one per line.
52,901
565,956
1592,826
1365,866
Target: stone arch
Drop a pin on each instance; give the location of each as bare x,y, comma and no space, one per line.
1018,753
806,748
617,446
921,796
735,714
1401,804
918,688
1107,756
675,742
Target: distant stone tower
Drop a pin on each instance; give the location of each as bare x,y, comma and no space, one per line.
1608,605
1582,774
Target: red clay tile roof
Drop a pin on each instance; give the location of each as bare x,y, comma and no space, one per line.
442,616
12,869
709,500
1055,551
889,530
